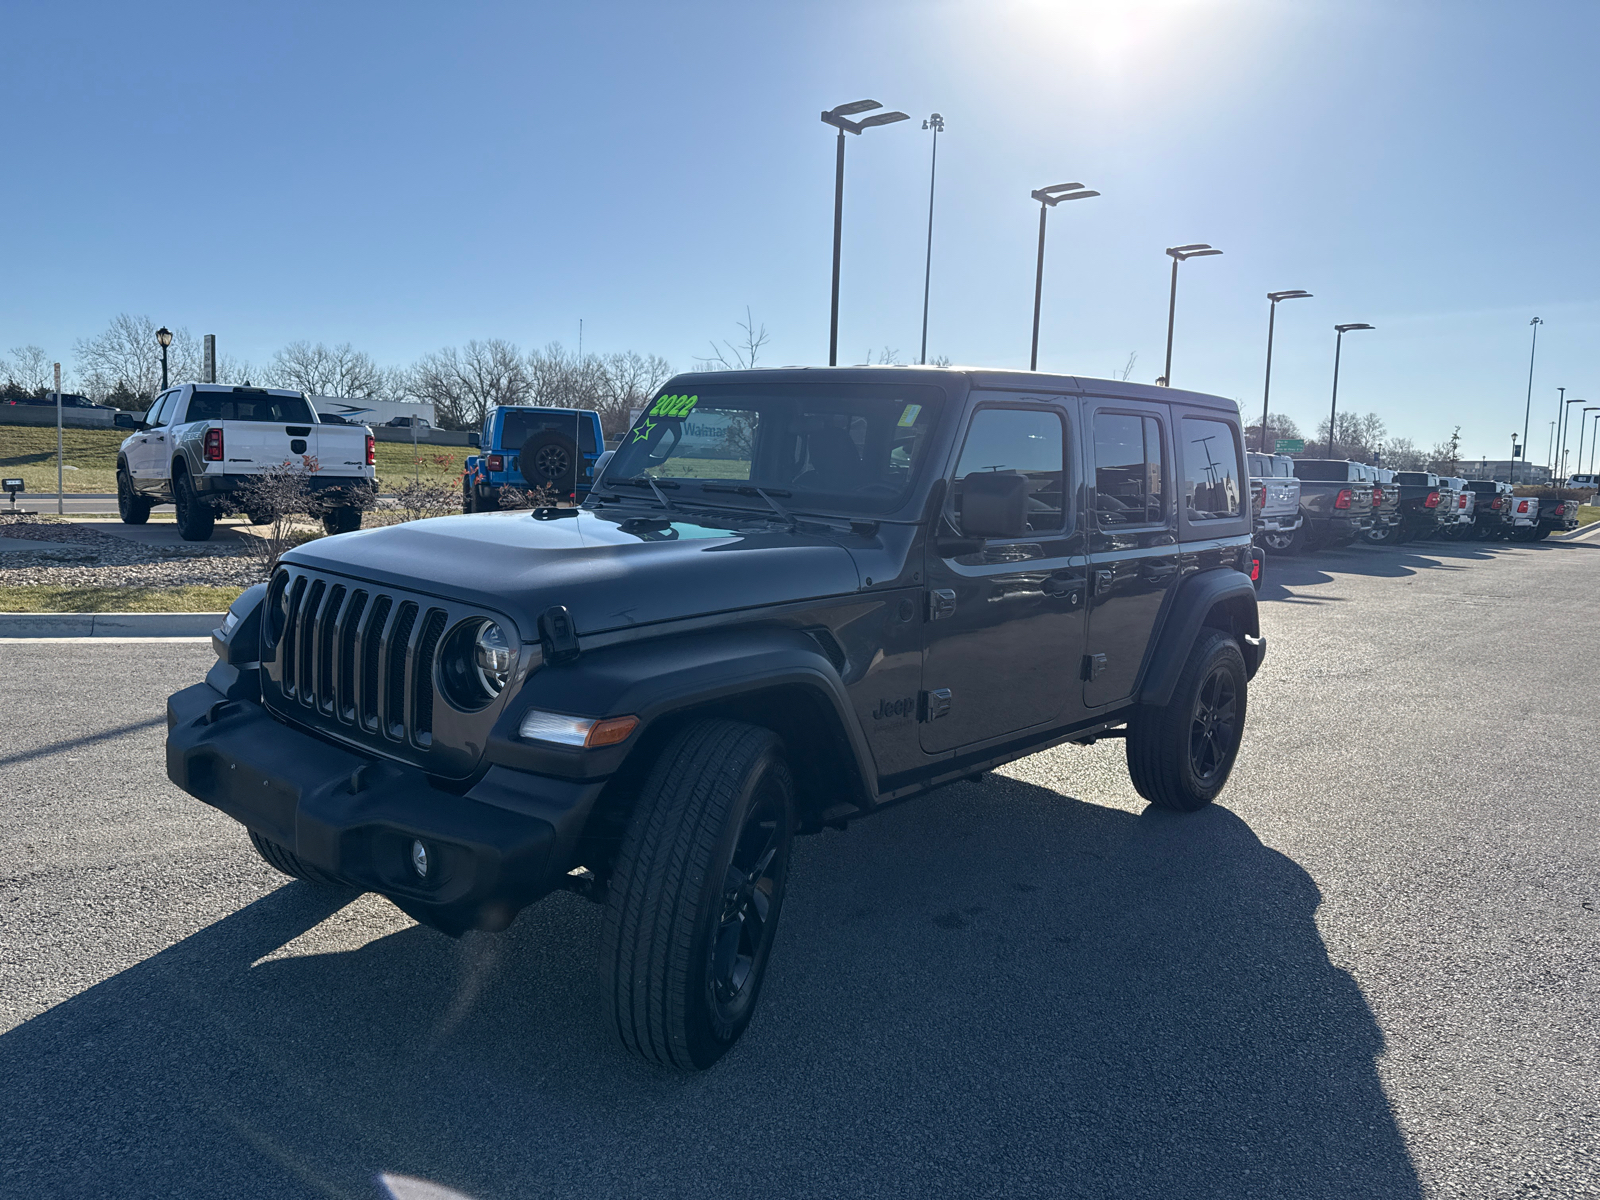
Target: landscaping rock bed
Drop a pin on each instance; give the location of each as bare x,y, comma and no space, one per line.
88,557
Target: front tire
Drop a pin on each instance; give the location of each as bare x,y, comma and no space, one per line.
1180,755
695,894
196,518
133,508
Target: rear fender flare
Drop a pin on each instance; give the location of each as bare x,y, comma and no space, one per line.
1222,599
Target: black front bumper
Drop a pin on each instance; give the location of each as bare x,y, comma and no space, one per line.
500,845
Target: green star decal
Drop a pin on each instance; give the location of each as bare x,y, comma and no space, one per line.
643,431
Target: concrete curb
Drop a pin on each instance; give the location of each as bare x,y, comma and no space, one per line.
118,625
1578,532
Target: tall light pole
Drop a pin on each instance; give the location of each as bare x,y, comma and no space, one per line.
935,123
1536,322
1338,345
1555,434
839,119
1583,427
1048,198
1593,438
1566,435
1179,254
1272,317
1550,454
164,336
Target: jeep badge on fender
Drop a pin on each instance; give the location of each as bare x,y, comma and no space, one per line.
788,599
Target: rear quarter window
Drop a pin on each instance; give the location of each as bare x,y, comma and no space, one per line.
1213,485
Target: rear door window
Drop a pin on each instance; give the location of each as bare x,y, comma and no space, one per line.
1128,471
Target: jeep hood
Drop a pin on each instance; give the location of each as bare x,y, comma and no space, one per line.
609,569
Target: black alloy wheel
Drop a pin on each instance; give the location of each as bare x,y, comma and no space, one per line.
547,459
1214,727
749,887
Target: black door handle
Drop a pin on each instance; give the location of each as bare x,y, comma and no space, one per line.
1160,574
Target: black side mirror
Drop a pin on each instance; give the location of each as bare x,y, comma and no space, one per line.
994,504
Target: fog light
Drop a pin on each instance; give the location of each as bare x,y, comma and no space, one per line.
419,859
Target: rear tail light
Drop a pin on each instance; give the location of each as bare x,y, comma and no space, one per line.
1522,507
1343,500
1462,502
1255,568
497,462
1558,510
1496,504
1261,497
213,449
1377,496
1432,501
372,451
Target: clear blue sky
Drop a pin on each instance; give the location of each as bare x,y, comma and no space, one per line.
407,176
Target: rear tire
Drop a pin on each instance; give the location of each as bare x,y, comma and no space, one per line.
133,508
1279,542
290,863
344,519
695,894
466,497
196,518
1385,535
1180,755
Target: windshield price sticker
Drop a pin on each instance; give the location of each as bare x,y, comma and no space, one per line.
909,417
674,406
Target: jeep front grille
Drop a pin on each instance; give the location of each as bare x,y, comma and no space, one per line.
358,662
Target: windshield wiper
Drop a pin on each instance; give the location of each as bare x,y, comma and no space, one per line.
646,481
747,489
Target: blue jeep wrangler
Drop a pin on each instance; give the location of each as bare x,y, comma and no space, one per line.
532,448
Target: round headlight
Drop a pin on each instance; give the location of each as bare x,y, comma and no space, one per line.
492,653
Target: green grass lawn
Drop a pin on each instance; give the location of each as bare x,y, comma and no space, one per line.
1588,514
30,452
116,599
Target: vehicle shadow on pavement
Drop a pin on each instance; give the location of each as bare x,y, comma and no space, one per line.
999,990
1284,572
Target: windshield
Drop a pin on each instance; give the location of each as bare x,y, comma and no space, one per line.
848,447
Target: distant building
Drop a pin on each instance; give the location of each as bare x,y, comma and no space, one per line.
1501,469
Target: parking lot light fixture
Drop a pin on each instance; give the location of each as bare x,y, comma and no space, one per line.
1048,198
1583,427
164,337
1555,428
1592,439
1536,322
1179,254
935,123
1272,316
839,118
1564,437
1338,345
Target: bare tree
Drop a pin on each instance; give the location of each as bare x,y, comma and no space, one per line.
887,357
127,353
738,355
1358,437
1127,367
1401,454
31,370
629,380
323,370
1278,426
1445,457
275,499
464,384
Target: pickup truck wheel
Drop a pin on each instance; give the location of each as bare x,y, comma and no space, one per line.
196,518
133,508
1279,542
466,497
1383,535
290,863
344,519
1180,756
695,894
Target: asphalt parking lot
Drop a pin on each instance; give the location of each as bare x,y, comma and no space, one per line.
1369,972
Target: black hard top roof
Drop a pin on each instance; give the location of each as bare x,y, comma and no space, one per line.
987,378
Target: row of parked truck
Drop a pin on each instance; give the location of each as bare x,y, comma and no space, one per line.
1312,503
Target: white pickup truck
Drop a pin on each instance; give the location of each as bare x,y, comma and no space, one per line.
200,441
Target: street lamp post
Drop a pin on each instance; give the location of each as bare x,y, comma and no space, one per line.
164,336
1595,438
1338,345
935,123
1550,453
839,119
1561,396
1272,317
1562,438
1536,322
1048,198
1583,427
1179,254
